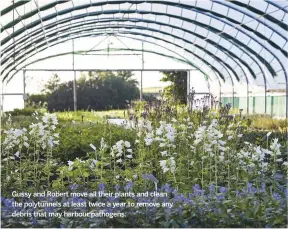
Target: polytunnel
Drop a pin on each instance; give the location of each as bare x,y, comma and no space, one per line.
229,42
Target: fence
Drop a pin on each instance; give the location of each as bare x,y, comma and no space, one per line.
275,105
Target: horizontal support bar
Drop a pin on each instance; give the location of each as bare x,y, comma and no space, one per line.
124,54
12,94
101,69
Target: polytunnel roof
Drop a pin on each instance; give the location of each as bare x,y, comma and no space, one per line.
237,41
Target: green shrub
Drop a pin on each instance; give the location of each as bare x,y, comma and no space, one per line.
28,111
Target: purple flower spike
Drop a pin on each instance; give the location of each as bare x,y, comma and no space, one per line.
223,189
101,187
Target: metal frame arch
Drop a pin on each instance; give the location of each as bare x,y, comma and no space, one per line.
262,13
162,40
144,35
254,18
85,51
227,37
163,2
152,2
276,5
200,47
222,49
172,26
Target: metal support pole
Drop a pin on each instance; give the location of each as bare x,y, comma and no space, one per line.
286,110
24,87
74,81
141,81
188,86
2,97
233,97
247,99
265,99
220,94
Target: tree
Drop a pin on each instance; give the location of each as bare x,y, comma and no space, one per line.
97,91
178,89
52,84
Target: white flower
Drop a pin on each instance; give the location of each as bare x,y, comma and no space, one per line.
268,134
172,164
127,144
230,137
221,142
221,158
135,176
159,131
240,135
163,164
117,177
162,144
148,141
70,163
129,150
119,160
285,163
103,144
92,165
129,156
17,154
163,153
26,144
45,119
93,147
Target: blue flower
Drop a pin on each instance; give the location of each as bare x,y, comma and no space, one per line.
128,186
117,187
8,202
166,188
74,186
263,187
223,189
276,196
35,222
101,186
149,177
212,188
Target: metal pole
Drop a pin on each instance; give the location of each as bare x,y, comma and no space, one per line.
141,81
74,81
247,99
188,86
2,97
1,101
24,87
220,94
233,97
265,99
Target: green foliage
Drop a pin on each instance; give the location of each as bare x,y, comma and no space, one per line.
205,158
37,100
28,111
98,91
52,84
75,139
177,91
